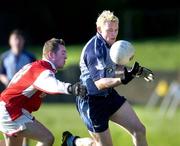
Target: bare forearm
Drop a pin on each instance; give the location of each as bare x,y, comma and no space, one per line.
105,83
119,71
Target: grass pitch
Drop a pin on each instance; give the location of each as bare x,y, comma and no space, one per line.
161,131
156,54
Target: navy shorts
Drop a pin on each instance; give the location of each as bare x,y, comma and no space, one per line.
95,111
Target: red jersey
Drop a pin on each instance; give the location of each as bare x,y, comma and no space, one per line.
28,86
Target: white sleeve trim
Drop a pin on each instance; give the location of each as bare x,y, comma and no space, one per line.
48,83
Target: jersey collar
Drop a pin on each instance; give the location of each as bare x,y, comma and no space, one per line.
52,65
103,40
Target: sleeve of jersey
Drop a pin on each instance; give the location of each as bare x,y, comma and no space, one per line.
48,83
96,65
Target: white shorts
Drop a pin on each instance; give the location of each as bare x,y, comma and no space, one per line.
10,127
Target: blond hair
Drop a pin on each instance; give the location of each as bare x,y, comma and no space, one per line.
52,45
106,16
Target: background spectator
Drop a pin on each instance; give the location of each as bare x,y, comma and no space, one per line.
15,58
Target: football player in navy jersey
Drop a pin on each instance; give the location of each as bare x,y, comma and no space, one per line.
102,103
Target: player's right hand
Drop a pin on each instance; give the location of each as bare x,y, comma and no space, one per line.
128,76
77,89
135,69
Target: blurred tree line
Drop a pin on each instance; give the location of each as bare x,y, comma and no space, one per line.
74,20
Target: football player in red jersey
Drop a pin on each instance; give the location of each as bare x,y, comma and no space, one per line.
24,96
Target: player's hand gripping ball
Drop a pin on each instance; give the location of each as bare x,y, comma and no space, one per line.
121,52
146,73
140,71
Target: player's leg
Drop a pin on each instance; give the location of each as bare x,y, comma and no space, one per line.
2,143
25,142
37,131
97,139
102,138
68,139
85,141
13,140
127,118
95,114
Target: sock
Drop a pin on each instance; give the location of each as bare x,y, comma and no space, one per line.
71,140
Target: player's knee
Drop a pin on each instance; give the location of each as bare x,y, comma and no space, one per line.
49,139
140,130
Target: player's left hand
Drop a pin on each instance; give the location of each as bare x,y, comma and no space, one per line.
146,73
77,89
139,71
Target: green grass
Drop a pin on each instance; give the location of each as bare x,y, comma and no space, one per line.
158,54
160,131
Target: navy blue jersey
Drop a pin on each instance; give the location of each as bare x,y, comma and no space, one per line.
95,63
96,108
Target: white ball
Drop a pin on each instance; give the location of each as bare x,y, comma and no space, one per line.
121,52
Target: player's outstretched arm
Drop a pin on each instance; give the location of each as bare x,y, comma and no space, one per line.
48,83
105,83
